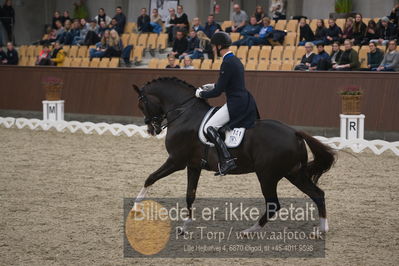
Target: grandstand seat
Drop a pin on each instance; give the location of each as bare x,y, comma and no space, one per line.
356,48
88,50
137,54
23,61
251,65
277,53
377,19
226,24
104,63
163,63
130,27
281,24
287,66
235,36
383,48
30,51
22,50
162,42
73,52
328,49
114,62
85,62
363,56
76,62
292,25
263,65
206,64
67,62
142,40
82,52
95,62
299,52
288,54
273,23
234,49
66,49
253,53
265,52
153,63
152,41
242,52
133,39
125,39
31,61
326,22
313,25
197,63
341,23
290,39
38,50
275,66
216,64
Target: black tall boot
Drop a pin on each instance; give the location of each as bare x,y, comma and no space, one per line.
226,163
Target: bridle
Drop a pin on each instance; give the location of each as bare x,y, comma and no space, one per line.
156,120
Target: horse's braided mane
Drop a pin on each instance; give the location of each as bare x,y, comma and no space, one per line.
174,79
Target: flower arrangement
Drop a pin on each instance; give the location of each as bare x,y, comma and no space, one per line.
351,90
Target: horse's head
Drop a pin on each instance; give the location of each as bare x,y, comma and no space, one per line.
151,108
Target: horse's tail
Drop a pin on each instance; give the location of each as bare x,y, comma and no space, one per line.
324,157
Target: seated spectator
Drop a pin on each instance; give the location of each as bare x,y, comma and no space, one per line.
93,35
348,29
3,56
156,21
180,44
11,55
84,29
336,53
171,22
67,28
259,38
144,21
349,59
211,26
197,25
113,25
307,59
333,33
259,14
205,47
60,31
391,59
56,17
120,19
181,21
371,33
394,16
57,55
50,38
103,28
73,33
172,62
240,18
102,17
322,61
114,45
193,45
65,17
374,57
188,63
321,32
385,31
249,30
44,58
277,10
305,32
101,47
359,29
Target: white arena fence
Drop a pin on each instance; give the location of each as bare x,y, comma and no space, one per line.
356,145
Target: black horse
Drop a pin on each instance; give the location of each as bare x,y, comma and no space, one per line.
271,149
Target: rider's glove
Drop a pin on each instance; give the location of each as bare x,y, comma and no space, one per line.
208,87
198,92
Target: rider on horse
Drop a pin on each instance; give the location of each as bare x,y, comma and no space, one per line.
240,111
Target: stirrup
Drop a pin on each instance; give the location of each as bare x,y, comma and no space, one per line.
228,170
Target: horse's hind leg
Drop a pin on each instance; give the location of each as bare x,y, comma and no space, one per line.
303,183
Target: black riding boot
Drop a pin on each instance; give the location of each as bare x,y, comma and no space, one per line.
226,163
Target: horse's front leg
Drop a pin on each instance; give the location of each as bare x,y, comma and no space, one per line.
193,175
169,167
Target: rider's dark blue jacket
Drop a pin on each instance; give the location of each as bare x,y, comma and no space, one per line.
240,103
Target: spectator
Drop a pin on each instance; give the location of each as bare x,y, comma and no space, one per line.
56,17
80,10
204,47
240,18
359,29
65,16
385,31
348,29
188,63
321,32
197,25
58,54
44,58
93,35
144,22
156,21
85,27
333,33
113,25
336,53
180,44
391,58
277,10
60,31
374,57
394,16
250,30
171,22
193,45
305,32
73,33
321,61
120,19
101,47
307,59
211,26
103,28
172,62
371,33
181,20
8,19
50,38
259,14
102,16
67,28
3,55
114,46
349,59
11,55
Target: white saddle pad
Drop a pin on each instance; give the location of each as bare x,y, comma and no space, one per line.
233,137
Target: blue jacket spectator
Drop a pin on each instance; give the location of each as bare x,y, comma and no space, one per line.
321,61
260,38
211,26
333,33
197,25
121,20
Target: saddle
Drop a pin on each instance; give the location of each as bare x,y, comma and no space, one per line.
232,137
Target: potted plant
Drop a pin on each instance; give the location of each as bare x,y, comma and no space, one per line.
53,87
343,6
351,99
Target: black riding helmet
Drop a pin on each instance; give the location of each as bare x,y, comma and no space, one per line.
221,39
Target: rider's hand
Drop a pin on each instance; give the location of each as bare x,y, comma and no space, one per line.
208,87
198,92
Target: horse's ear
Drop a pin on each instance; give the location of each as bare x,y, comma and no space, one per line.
137,89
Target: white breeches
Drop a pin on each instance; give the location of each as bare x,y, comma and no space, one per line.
219,119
